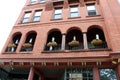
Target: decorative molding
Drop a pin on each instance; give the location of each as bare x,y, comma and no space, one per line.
114,62
98,63
56,63
21,63
69,63
43,63
32,63
83,63
11,63
1,63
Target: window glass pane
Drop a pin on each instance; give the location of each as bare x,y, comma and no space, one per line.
91,10
33,2
27,15
42,1
36,18
57,11
79,74
75,14
25,20
91,7
74,9
57,16
107,74
38,13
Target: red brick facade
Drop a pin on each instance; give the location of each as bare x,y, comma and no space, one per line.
106,21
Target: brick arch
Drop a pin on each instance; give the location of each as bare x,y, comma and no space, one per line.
73,28
13,43
56,34
95,32
29,32
95,26
16,33
55,29
74,34
30,39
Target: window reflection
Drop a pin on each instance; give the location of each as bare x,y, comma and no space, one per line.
107,74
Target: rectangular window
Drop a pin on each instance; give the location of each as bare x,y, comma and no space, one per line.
26,17
91,9
42,1
32,1
79,74
107,74
74,12
58,13
37,15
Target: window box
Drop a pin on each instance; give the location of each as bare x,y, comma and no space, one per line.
11,45
27,45
96,42
52,44
73,43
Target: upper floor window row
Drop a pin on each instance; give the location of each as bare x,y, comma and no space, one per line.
36,16
35,1
58,13
74,11
91,9
26,17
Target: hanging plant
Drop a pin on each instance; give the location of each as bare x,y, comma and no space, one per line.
52,44
11,45
73,43
97,42
27,45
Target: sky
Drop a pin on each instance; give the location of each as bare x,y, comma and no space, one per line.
9,12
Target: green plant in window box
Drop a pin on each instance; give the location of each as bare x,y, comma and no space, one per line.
73,43
97,42
52,44
27,45
11,45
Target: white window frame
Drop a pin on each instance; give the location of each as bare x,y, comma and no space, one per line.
74,11
92,6
58,11
26,16
37,14
33,2
42,1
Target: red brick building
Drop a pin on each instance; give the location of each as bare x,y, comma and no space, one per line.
64,40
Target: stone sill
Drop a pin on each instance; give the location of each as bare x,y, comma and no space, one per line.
80,50
93,15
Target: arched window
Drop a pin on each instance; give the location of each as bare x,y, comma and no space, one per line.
96,38
29,42
74,40
12,46
54,41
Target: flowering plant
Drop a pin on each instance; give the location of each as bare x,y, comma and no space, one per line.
27,45
11,45
52,44
96,42
73,43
